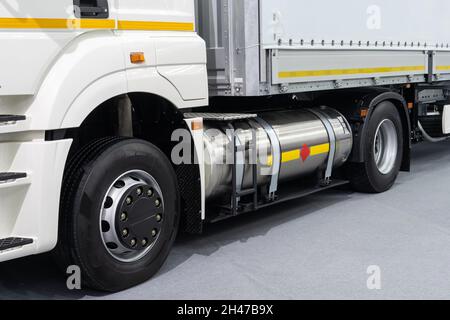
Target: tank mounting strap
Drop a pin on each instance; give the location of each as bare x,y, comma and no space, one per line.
276,156
238,163
331,135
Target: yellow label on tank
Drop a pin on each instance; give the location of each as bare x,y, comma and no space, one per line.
294,155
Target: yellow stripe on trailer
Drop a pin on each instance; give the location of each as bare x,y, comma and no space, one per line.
342,72
443,68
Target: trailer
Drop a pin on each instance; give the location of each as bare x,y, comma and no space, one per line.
303,47
123,122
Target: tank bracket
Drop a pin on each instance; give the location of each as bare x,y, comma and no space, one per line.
276,156
239,162
331,135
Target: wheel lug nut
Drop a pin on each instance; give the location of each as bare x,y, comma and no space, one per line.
128,200
133,242
154,232
144,242
157,202
158,218
125,232
123,216
139,191
150,192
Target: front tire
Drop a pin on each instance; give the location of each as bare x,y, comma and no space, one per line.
382,152
119,213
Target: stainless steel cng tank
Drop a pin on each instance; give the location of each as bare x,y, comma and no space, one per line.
301,134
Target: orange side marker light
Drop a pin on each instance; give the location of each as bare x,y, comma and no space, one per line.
364,113
197,125
137,57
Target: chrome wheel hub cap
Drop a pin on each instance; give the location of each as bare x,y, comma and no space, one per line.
131,216
385,146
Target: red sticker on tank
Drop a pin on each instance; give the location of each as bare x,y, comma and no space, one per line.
305,153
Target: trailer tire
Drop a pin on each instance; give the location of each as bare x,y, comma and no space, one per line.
382,152
98,182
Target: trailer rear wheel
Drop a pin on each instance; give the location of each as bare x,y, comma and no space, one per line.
382,152
119,213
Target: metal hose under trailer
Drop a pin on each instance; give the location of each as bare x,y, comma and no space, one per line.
428,137
289,145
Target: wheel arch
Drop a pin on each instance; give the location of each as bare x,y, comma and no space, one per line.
154,119
110,87
89,71
353,103
400,104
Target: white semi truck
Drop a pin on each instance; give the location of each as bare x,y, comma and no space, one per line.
94,93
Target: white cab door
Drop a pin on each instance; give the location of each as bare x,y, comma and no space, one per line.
32,35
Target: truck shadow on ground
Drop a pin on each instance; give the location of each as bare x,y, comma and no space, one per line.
39,278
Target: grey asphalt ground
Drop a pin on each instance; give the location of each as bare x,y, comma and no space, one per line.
314,248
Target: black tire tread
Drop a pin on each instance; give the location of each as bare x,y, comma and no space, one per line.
64,252
359,178
359,174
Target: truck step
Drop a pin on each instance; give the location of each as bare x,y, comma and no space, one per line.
11,118
288,193
247,192
221,116
11,243
11,176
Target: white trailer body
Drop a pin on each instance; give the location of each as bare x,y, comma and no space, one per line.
322,45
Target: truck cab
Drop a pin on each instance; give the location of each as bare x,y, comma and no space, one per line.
62,59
